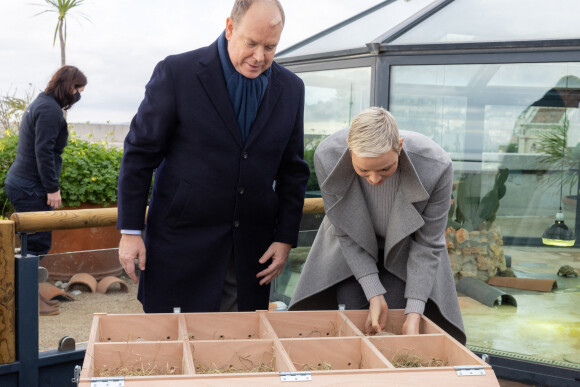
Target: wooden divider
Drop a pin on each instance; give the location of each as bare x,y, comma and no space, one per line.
7,300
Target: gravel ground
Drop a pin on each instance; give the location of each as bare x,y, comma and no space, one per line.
76,317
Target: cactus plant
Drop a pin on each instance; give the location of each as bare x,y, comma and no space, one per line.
470,210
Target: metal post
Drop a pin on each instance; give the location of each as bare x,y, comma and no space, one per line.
27,316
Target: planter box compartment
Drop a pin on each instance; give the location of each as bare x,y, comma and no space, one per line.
128,328
429,347
254,349
395,321
350,353
240,356
213,326
137,359
312,324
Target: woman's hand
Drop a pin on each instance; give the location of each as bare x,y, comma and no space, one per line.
377,317
54,199
411,324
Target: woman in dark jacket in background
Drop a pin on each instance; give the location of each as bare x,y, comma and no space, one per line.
32,183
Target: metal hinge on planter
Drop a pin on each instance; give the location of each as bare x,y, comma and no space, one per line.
117,381
295,376
76,375
469,370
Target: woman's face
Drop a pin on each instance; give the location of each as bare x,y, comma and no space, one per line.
79,89
376,170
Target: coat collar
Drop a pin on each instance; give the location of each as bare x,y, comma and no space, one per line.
344,200
213,81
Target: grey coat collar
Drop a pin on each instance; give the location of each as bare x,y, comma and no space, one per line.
343,197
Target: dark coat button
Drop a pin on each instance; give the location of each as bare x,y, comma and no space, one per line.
241,190
236,223
245,155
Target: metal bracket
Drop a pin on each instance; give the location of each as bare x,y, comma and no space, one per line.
469,370
66,343
108,382
295,376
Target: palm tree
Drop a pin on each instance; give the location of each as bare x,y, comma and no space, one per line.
62,7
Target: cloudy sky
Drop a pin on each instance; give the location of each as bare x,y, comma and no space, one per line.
122,41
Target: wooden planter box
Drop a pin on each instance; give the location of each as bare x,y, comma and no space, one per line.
270,349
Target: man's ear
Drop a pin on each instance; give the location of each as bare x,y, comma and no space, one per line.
400,144
229,28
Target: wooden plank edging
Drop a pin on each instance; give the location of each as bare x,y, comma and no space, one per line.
98,217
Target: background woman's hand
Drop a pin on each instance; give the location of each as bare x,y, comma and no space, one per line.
377,317
54,199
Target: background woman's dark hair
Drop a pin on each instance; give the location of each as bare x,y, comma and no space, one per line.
62,84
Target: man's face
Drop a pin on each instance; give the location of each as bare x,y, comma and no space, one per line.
252,42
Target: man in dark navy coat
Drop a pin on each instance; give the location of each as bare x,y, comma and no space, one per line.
221,127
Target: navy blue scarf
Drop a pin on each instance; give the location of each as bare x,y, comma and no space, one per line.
245,93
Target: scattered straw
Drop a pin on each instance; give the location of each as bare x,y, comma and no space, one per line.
245,362
138,369
409,360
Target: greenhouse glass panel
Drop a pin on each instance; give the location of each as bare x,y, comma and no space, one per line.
365,29
524,119
465,21
332,99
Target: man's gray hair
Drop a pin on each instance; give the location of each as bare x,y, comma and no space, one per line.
373,133
241,7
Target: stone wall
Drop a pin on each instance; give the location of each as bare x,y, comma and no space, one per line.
475,254
114,134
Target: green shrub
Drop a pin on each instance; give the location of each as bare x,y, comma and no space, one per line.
8,143
90,171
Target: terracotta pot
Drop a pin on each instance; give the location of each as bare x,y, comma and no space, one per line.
98,263
93,238
85,250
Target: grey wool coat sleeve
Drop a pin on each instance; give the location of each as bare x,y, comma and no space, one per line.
415,249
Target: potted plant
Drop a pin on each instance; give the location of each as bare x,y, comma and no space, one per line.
556,152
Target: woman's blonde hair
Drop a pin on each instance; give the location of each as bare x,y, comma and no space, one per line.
373,133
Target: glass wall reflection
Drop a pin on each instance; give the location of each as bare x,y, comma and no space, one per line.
523,117
513,133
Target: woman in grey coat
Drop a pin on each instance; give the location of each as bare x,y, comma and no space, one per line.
382,244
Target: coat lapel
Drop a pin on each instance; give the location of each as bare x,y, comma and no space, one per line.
344,204
213,82
404,218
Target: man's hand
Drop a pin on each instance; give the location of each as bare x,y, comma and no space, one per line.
411,324
377,318
278,252
53,199
131,247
